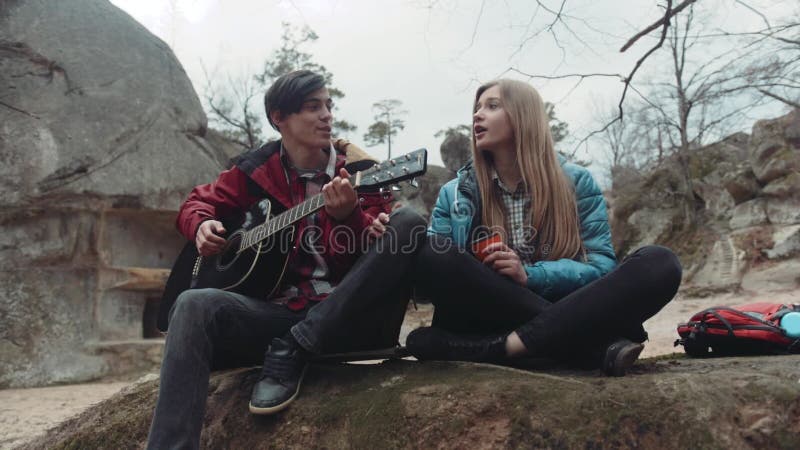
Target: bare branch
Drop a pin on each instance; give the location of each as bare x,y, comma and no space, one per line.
475,28
755,11
661,22
641,60
779,98
568,75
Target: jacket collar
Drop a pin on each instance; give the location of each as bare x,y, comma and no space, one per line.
264,167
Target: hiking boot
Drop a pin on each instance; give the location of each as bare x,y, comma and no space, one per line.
428,343
620,356
283,371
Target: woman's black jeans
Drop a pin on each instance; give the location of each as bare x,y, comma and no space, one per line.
471,298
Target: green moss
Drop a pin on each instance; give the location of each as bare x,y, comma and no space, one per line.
669,402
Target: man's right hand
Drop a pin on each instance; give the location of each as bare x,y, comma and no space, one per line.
208,239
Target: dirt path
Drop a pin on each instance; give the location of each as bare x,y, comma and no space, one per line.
25,413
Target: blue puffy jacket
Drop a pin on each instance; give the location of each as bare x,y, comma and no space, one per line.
457,213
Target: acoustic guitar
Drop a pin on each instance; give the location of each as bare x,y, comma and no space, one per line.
256,252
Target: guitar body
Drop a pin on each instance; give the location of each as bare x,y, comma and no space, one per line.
255,272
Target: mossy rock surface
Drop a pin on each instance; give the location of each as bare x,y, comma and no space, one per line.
670,403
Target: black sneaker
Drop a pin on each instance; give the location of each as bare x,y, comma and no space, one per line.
620,356
283,371
428,343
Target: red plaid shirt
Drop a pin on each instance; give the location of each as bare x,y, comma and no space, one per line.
313,271
308,277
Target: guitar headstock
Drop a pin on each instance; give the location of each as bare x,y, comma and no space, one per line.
395,170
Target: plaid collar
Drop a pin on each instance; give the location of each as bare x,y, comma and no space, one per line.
330,170
520,189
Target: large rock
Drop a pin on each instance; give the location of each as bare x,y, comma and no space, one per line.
742,185
786,242
456,149
677,403
101,137
749,213
101,107
651,224
775,146
423,197
719,203
782,211
784,187
773,276
722,268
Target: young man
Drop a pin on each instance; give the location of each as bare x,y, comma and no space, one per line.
330,300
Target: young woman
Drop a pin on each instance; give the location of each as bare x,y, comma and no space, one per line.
552,286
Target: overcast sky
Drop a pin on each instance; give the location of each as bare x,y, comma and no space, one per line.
430,54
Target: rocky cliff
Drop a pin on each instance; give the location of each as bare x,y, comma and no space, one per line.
101,137
747,196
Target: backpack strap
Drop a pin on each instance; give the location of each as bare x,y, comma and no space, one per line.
713,312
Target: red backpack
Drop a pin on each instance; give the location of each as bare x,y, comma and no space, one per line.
752,329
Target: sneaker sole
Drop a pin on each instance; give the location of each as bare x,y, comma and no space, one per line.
281,406
625,359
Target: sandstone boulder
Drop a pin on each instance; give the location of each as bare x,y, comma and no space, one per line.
719,203
783,187
101,138
786,242
722,268
673,403
749,213
742,185
651,223
775,148
423,197
782,211
456,149
773,276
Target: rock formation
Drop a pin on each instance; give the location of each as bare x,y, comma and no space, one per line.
455,151
423,197
101,137
747,191
674,403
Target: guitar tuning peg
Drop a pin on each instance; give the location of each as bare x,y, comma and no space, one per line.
396,188
414,182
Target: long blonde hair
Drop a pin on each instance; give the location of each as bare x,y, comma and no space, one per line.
553,214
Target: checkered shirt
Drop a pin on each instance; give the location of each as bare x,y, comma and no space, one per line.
308,277
517,203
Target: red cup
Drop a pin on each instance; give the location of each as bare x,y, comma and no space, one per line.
479,245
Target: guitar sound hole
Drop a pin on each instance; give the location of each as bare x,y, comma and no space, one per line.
228,256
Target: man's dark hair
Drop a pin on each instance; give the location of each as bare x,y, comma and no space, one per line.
287,93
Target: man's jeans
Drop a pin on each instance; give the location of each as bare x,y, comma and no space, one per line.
213,329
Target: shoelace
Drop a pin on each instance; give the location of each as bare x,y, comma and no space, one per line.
281,368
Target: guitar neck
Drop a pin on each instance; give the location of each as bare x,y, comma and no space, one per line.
257,234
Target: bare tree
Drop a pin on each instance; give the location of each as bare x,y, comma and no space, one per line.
231,110
706,98
232,105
